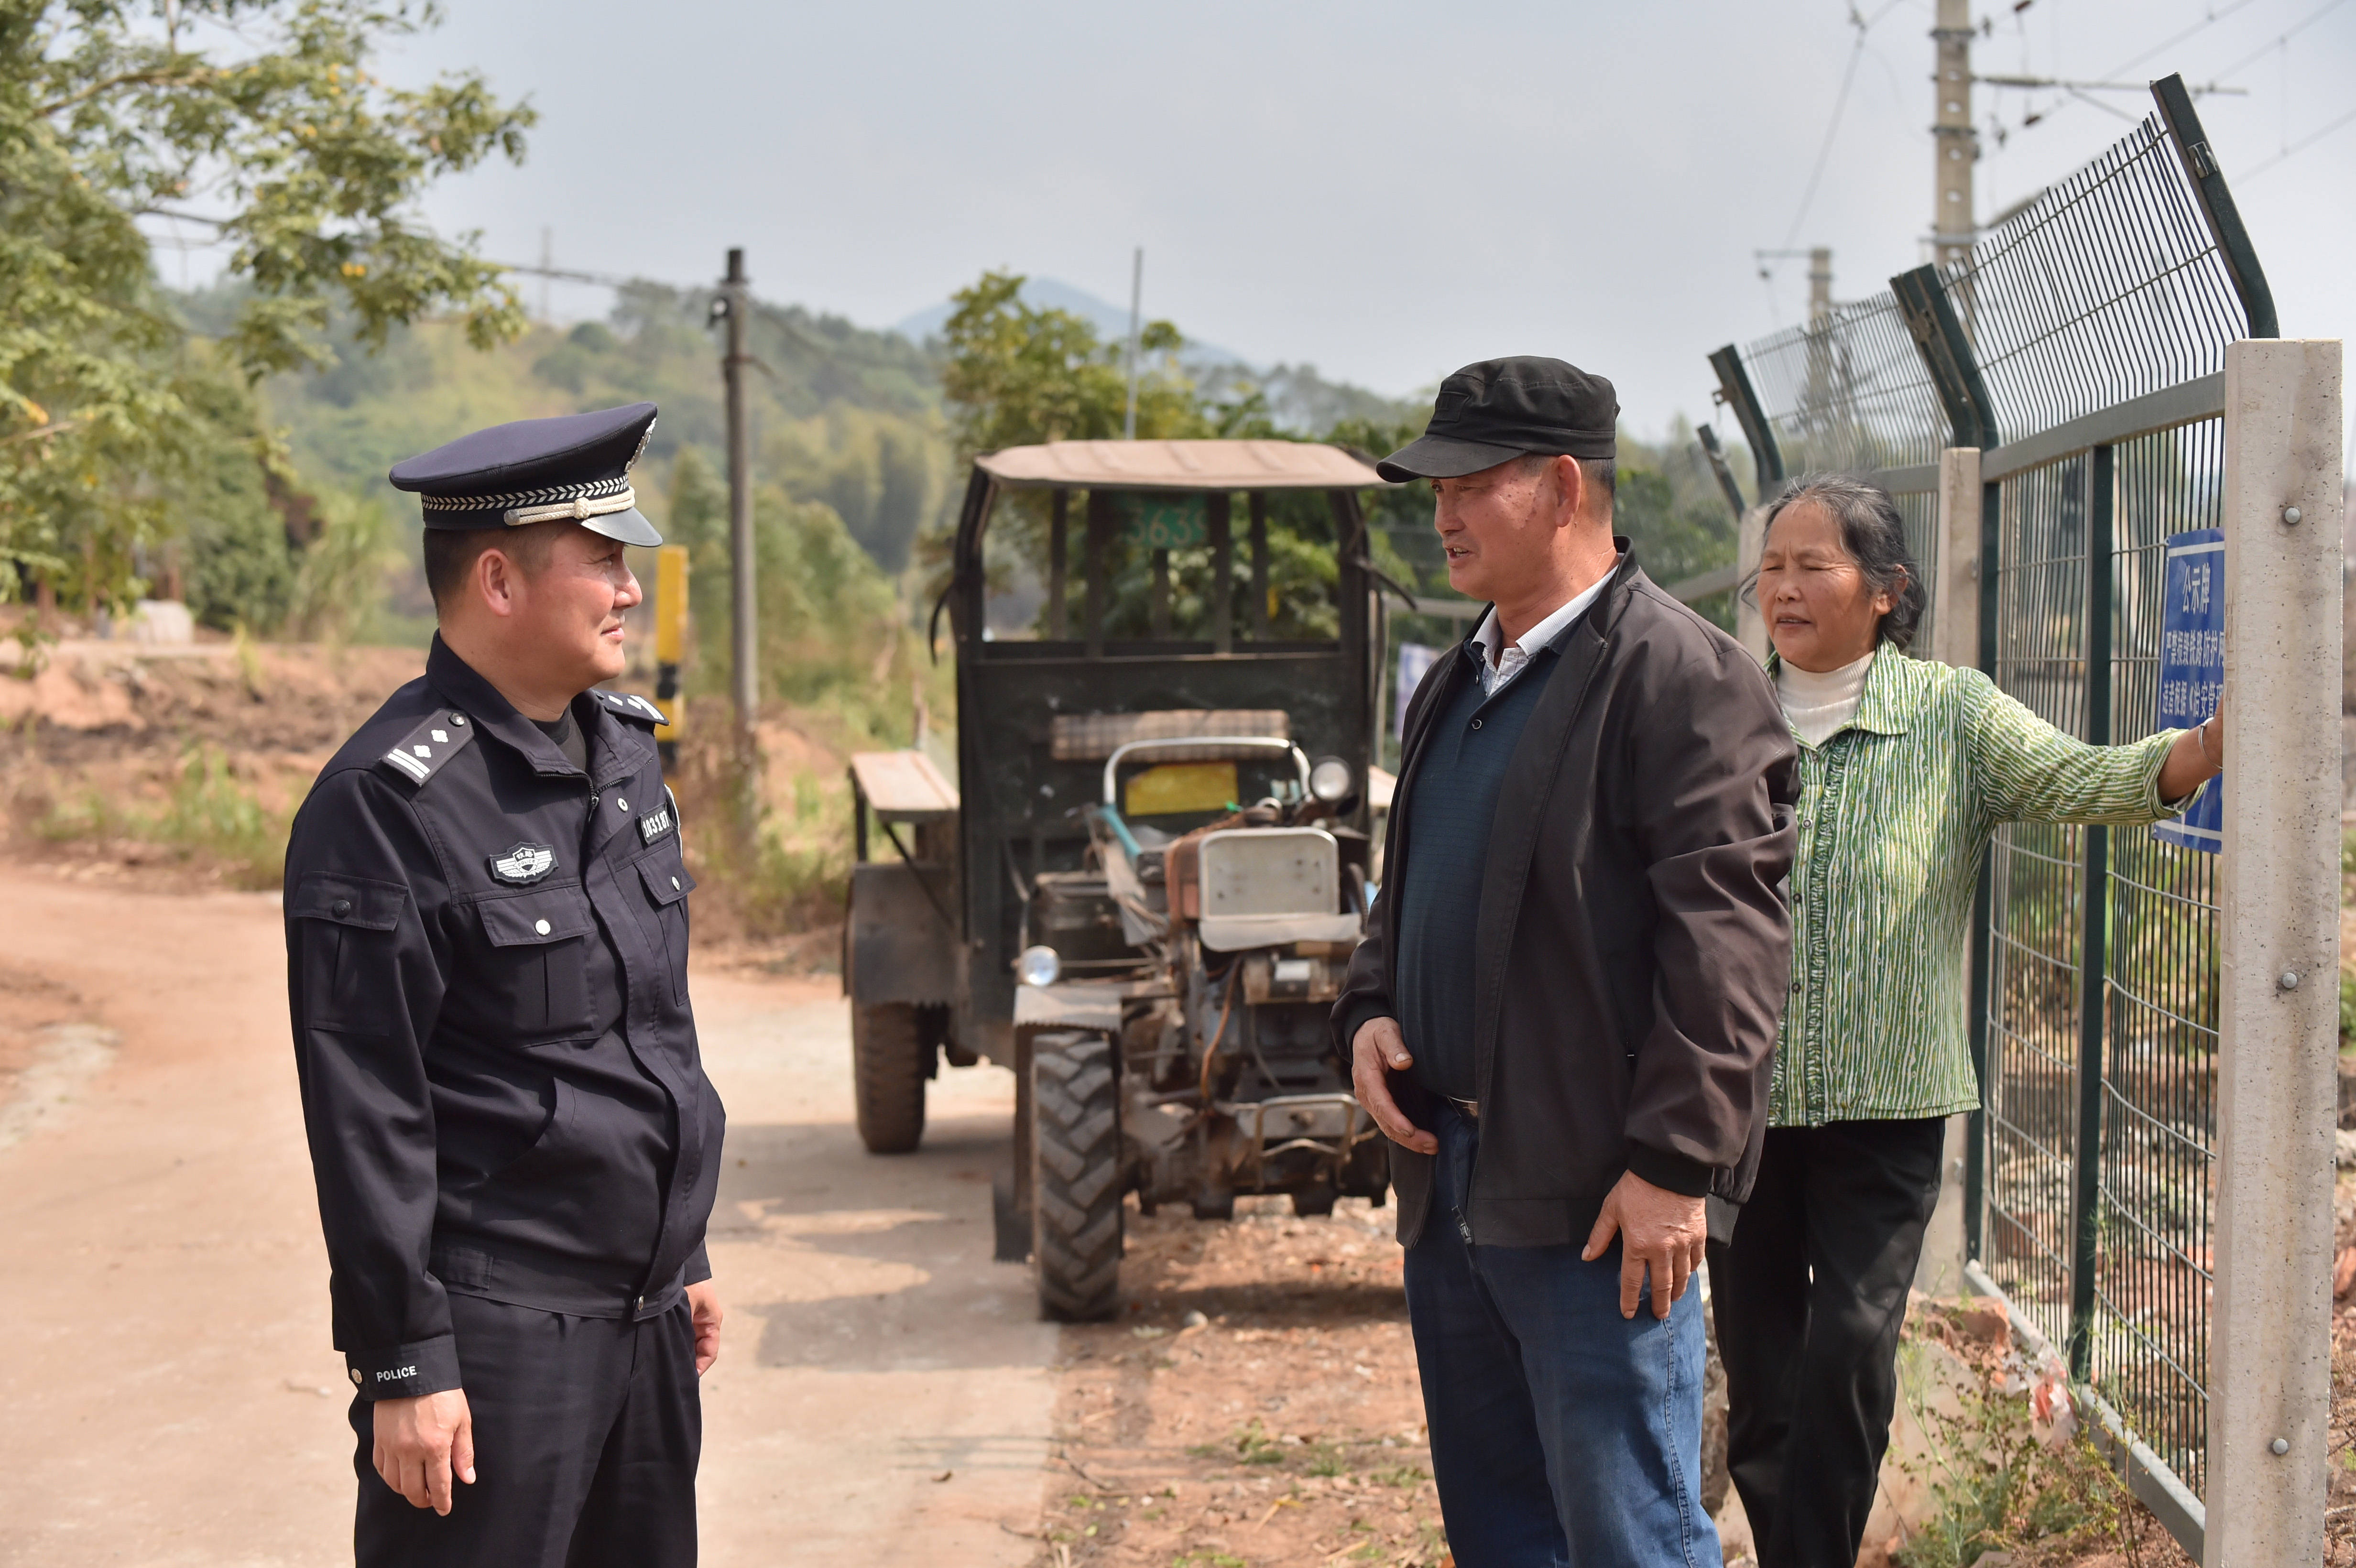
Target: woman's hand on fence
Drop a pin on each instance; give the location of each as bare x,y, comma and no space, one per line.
2197,756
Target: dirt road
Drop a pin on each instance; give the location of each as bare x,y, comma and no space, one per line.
883,1396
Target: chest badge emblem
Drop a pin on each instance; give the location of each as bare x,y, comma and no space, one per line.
654,824
524,864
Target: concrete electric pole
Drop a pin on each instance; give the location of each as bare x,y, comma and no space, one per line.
1954,145
735,308
1820,285
1136,300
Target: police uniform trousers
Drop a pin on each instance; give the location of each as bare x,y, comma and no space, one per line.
587,1435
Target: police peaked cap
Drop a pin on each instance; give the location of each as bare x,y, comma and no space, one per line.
574,466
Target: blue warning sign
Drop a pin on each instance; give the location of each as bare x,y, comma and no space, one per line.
2192,669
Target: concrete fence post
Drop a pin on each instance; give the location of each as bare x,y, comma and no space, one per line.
1954,591
1750,626
2270,1345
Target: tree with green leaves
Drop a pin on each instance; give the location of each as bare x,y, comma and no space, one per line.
1019,374
260,124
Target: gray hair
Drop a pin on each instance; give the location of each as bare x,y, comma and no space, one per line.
1601,473
1874,536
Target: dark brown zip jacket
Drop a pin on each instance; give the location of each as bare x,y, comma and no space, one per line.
1633,949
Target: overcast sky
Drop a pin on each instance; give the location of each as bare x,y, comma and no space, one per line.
1386,191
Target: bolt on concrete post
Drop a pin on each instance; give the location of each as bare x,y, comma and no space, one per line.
1954,593
2270,1346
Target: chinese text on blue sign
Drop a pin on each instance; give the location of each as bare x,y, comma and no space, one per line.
2192,668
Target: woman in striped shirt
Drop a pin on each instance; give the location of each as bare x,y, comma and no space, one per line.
1906,765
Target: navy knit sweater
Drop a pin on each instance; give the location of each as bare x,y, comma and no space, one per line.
1450,806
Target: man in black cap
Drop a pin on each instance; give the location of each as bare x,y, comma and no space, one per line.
1564,1011
515,1145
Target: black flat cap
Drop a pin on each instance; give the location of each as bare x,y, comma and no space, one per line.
1503,409
539,471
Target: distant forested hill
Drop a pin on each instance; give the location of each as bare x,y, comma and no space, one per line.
840,414
850,441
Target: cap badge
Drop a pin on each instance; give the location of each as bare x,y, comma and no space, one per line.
524,864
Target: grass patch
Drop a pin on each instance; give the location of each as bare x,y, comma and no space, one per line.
1251,1443
208,815
1399,1476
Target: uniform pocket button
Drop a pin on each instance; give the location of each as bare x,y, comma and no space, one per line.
540,926
621,805
1476,723
340,907
674,884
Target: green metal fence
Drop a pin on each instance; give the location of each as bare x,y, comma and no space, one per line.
2079,347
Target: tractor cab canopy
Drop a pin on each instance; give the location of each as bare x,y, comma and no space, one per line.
1157,529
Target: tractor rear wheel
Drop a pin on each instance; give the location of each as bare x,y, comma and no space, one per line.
888,1061
1076,1186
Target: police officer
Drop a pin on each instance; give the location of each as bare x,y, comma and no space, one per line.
514,1142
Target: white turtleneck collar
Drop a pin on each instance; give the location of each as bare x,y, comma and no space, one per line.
1819,704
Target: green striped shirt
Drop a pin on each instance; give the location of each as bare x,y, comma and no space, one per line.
1895,811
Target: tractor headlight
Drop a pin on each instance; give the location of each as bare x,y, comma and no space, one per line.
1330,780
1038,966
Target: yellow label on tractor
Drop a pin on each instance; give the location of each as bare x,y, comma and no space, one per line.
1173,788
671,626
671,603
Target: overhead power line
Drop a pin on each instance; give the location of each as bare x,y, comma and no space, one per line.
2300,145
2098,86
2211,20
1832,126
2284,36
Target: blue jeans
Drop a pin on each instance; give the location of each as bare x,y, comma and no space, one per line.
1563,1435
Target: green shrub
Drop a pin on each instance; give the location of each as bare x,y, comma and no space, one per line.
208,815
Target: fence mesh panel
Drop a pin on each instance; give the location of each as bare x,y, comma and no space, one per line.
2150,1327
2035,924
1847,393
2105,287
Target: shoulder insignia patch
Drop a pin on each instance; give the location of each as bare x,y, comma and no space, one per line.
628,705
524,865
444,733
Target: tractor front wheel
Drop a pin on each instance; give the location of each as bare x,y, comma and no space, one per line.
1076,1186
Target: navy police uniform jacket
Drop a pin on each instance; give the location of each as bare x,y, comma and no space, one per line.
487,963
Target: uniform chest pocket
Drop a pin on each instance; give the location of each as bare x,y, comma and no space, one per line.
668,884
537,960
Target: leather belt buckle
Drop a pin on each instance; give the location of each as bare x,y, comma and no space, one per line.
1471,1108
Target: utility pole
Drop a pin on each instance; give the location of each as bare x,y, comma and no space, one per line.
1820,313
1136,300
1820,317
547,269
733,306
1954,145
